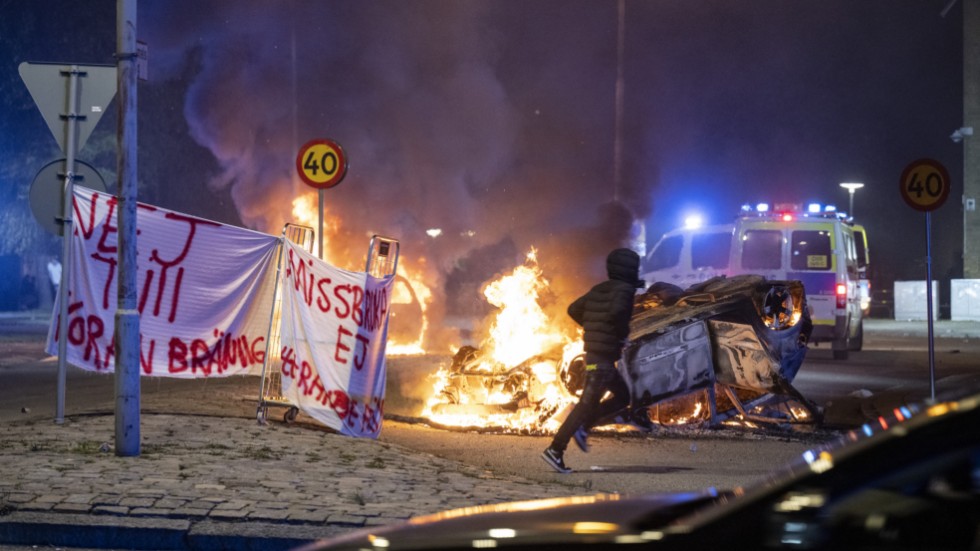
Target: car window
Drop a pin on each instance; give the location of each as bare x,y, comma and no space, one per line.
667,254
710,250
811,250
762,249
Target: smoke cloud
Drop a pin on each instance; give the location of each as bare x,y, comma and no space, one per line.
454,115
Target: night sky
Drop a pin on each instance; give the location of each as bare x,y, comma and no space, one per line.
495,120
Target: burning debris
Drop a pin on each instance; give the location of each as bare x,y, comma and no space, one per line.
518,378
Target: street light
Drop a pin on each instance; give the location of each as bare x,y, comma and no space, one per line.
851,187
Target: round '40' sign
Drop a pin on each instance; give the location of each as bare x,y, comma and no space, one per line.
925,185
321,163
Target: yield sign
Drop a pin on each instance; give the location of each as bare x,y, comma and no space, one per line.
49,85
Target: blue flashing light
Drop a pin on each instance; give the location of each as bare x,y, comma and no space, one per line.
762,207
693,221
830,208
813,208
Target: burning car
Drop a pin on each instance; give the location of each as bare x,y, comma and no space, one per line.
744,335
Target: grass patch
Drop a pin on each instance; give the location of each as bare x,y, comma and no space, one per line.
265,452
86,447
347,458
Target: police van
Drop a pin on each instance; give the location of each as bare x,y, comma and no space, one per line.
816,246
687,256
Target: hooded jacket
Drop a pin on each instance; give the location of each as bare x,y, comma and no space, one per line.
605,311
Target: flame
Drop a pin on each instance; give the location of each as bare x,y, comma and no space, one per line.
521,329
306,212
514,380
404,295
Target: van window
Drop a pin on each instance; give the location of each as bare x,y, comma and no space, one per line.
811,250
710,250
762,249
862,251
852,269
667,254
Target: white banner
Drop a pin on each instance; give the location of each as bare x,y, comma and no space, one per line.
205,292
334,325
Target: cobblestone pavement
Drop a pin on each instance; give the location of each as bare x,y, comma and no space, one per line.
208,482
221,481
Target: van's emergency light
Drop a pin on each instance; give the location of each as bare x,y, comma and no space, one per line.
789,212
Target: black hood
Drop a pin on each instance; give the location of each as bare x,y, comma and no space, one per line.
624,265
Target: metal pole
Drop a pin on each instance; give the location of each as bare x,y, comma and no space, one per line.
850,202
127,314
618,143
319,227
932,351
71,145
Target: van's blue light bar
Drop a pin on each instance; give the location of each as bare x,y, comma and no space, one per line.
769,210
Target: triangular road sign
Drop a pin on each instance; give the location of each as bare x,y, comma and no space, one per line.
48,84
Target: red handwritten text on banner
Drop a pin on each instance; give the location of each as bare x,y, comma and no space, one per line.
205,291
334,326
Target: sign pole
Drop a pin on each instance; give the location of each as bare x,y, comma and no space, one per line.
319,227
932,348
66,221
85,105
924,186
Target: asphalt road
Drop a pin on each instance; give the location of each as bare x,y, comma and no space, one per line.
893,367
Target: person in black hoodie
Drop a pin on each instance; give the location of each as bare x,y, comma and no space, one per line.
604,313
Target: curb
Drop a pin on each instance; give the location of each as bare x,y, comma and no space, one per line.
154,534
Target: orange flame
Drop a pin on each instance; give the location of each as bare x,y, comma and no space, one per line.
514,380
414,290
306,212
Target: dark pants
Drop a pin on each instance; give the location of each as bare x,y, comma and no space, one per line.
589,409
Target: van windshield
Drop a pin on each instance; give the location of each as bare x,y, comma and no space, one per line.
810,250
666,254
762,249
710,250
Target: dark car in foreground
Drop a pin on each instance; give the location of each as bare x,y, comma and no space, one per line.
907,481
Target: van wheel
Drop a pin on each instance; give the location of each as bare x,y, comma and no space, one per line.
857,343
840,354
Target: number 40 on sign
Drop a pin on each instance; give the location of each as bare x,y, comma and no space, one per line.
321,164
925,185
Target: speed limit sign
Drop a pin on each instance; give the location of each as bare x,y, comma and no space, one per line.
925,185
321,163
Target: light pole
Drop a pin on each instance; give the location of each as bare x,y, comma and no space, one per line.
851,187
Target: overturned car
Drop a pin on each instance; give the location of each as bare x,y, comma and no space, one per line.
743,335
731,344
